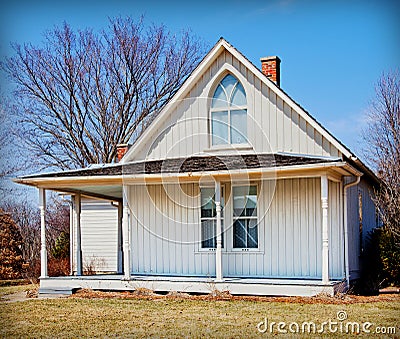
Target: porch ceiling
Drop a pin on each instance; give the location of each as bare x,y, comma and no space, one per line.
109,192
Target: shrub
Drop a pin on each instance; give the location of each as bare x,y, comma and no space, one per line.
61,246
58,267
389,257
11,261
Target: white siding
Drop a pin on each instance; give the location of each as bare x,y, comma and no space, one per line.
99,235
273,126
369,222
166,232
336,231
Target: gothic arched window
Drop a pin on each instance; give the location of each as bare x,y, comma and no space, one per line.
229,113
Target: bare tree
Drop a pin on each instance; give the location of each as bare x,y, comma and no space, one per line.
8,164
383,148
5,139
27,218
82,93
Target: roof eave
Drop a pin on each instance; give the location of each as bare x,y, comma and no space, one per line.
265,172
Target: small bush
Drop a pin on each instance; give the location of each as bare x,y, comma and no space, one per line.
390,258
61,246
93,265
58,267
11,262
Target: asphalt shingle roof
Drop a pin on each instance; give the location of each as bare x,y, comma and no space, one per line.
211,163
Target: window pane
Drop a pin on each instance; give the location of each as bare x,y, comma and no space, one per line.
251,203
219,128
208,239
239,234
245,200
238,126
239,200
239,97
222,235
252,235
219,98
229,82
207,203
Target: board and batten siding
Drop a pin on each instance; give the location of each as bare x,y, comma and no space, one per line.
272,125
356,194
99,235
165,223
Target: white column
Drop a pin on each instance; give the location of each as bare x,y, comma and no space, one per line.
43,250
126,234
71,237
346,229
218,252
77,207
120,240
325,229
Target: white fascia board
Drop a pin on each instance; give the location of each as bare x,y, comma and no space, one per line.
233,173
84,180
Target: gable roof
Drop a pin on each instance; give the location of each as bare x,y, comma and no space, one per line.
211,56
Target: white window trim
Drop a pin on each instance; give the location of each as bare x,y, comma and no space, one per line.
228,109
259,248
200,249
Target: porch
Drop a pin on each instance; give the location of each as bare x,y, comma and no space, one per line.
299,248
203,285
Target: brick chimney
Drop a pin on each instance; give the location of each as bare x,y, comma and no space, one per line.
271,67
121,150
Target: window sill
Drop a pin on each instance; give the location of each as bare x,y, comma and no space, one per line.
231,251
246,250
230,147
208,250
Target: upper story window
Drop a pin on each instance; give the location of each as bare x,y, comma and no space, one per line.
229,113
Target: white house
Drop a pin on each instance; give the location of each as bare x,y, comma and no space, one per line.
233,186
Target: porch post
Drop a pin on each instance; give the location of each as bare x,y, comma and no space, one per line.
119,249
71,236
325,229
77,207
43,250
218,252
126,234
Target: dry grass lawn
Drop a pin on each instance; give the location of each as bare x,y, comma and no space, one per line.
126,315
7,290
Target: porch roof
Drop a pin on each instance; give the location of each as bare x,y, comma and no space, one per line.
107,181
208,163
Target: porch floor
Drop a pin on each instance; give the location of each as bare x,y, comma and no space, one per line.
162,283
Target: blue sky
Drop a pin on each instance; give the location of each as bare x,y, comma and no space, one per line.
332,52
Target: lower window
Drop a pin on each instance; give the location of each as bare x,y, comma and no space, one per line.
209,218
245,225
